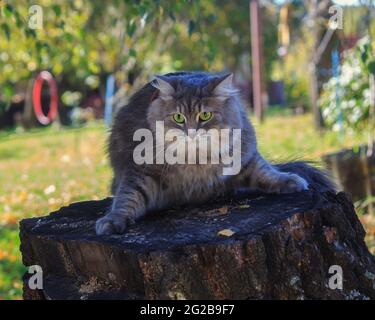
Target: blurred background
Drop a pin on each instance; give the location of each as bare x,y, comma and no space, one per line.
305,69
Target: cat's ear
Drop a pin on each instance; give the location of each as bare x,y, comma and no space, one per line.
224,86
165,88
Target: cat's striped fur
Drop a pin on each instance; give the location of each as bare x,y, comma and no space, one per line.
138,189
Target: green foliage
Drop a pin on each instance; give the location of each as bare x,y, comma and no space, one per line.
296,79
296,91
345,100
355,20
367,56
81,39
78,39
11,268
292,68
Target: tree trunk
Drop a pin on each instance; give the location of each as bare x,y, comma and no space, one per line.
354,172
250,246
316,12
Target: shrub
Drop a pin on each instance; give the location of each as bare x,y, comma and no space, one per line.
345,99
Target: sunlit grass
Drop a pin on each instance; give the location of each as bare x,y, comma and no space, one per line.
40,172
44,169
293,137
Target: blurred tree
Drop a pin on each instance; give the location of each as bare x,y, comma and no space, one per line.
81,42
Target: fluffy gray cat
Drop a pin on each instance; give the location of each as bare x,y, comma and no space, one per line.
190,100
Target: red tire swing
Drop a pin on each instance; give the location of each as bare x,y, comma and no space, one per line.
37,94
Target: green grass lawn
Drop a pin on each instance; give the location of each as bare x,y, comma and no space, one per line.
44,169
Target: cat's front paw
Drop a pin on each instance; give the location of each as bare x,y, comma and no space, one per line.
290,182
112,223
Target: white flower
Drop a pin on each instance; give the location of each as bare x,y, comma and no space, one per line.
355,86
50,189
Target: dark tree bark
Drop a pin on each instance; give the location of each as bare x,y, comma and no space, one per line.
282,247
354,171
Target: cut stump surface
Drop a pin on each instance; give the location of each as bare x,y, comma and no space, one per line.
250,246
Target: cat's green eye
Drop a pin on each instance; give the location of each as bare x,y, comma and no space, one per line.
178,118
205,116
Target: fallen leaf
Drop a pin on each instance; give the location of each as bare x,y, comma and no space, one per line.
226,233
243,206
217,211
223,210
8,218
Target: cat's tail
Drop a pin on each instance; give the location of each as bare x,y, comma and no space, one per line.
318,179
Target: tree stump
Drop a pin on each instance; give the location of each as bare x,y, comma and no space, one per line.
354,170
248,246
